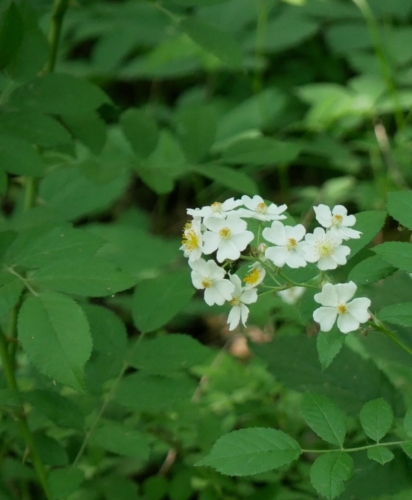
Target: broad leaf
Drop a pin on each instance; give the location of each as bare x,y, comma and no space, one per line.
156,301
169,353
11,288
88,127
369,223
11,34
228,177
18,157
51,451
398,314
325,418
376,418
400,207
252,451
140,128
55,335
398,254
88,277
329,472
64,482
329,345
261,151
370,270
381,454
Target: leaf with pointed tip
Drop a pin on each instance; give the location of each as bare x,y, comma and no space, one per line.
376,418
399,206
328,345
329,472
370,270
398,314
381,454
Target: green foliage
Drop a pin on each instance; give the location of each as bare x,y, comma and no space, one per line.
376,418
329,472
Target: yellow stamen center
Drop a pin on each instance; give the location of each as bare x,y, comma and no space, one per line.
325,248
337,220
216,206
252,277
190,240
234,302
262,208
342,309
225,233
207,282
291,244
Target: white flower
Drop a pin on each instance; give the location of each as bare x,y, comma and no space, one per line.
289,249
255,276
228,236
335,299
326,249
257,208
292,294
240,297
216,209
337,221
192,240
208,276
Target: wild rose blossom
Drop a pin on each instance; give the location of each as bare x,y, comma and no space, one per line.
240,297
208,276
289,249
326,249
337,221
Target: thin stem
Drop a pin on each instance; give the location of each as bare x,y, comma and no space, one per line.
359,448
391,335
306,285
8,367
59,10
30,192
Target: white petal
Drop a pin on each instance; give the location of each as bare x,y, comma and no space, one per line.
323,215
197,279
295,260
325,263
214,224
214,271
311,253
328,296
326,317
244,313
236,224
227,250
297,232
210,242
276,233
211,297
349,220
249,296
234,317
347,233
340,254
347,323
277,255
358,308
231,204
242,240
225,288
234,278
345,291
200,266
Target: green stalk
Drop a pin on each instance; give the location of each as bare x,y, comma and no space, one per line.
391,335
359,448
8,367
58,13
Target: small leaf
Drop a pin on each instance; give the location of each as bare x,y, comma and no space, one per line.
120,439
18,157
140,128
397,314
55,335
398,254
64,482
381,454
400,207
88,277
228,177
252,451
261,151
376,418
370,270
324,417
407,422
156,301
369,223
169,353
328,473
328,345
213,40
11,288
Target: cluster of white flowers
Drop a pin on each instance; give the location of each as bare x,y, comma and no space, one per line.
221,229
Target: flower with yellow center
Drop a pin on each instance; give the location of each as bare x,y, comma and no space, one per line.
289,248
337,221
192,240
208,276
257,208
240,297
217,209
228,236
336,303
326,249
255,276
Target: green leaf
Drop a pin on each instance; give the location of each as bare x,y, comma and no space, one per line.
55,335
376,418
213,40
140,128
407,422
51,451
31,55
11,34
228,177
252,451
121,439
324,417
407,448
329,345
64,482
261,151
88,127
399,206
11,288
157,301
398,254
88,277
369,223
381,454
19,157
57,93
370,270
153,393
169,353
329,472
10,399
397,314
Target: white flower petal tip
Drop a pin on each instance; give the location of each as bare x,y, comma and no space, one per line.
208,276
255,276
336,303
257,208
192,240
291,295
289,248
240,297
337,221
326,249
217,209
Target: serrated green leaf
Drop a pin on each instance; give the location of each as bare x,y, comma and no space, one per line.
11,34
376,418
213,40
64,482
158,300
88,277
55,335
18,157
324,417
380,454
400,207
370,270
11,288
140,128
197,130
407,422
153,393
261,151
121,439
398,254
57,93
397,314
328,345
329,472
169,353
369,223
251,451
228,177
